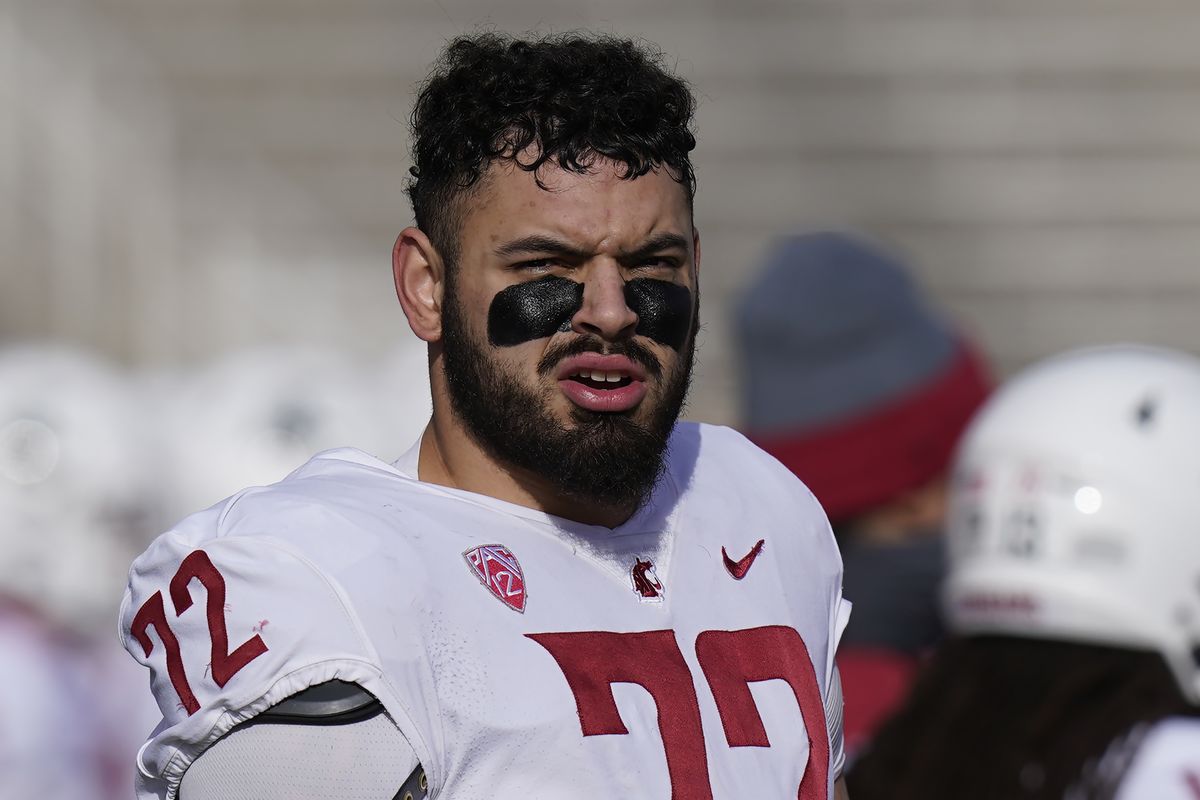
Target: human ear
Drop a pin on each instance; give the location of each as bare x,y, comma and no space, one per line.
419,275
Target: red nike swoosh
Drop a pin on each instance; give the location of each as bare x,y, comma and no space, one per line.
738,569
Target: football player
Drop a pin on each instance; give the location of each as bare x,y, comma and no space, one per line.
1073,589
559,591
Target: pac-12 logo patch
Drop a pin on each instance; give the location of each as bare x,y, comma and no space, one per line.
498,570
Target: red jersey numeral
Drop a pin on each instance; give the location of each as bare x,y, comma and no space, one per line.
225,664
153,614
592,661
732,660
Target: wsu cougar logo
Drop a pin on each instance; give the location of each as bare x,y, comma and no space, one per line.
646,582
498,569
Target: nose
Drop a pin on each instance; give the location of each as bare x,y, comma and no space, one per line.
604,312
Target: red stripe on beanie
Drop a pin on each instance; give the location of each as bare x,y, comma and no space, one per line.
858,464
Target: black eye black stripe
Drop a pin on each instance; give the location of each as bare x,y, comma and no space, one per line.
537,309
664,310
533,310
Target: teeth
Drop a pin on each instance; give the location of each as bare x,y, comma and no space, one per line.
599,376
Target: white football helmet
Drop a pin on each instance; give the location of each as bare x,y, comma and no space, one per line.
1075,508
256,415
76,500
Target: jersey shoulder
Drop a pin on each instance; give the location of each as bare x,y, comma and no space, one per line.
728,482
241,606
737,490
336,508
722,460
337,501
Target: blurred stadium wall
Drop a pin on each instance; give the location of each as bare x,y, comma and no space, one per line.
183,178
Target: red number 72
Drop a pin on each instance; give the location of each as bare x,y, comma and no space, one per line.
225,664
592,661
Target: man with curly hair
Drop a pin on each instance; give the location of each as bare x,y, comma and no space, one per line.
560,591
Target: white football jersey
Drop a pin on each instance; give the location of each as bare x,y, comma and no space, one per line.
1167,764
684,654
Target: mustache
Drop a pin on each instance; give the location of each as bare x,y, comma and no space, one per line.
638,353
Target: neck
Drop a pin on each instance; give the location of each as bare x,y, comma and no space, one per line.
449,456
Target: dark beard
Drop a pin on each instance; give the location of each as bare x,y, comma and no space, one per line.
605,459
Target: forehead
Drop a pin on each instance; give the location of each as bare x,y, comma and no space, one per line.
597,209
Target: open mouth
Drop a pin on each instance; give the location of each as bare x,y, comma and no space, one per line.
603,383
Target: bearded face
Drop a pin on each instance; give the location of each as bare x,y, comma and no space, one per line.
565,328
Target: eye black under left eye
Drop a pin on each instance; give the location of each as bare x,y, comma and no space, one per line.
533,310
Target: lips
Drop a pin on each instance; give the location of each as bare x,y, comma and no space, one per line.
604,383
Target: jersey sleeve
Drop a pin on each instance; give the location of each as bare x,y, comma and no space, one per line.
833,720
834,700
229,626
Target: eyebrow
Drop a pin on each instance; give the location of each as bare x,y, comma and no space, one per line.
541,243
656,244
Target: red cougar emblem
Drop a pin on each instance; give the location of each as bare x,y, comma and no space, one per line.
645,581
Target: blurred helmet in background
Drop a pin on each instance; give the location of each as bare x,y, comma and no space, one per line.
75,499
253,417
1075,507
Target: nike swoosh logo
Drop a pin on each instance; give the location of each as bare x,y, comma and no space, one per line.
738,569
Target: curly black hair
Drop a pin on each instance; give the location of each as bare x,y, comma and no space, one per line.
567,99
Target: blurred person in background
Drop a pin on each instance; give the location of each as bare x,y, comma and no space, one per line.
1073,593
75,505
92,460
861,388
